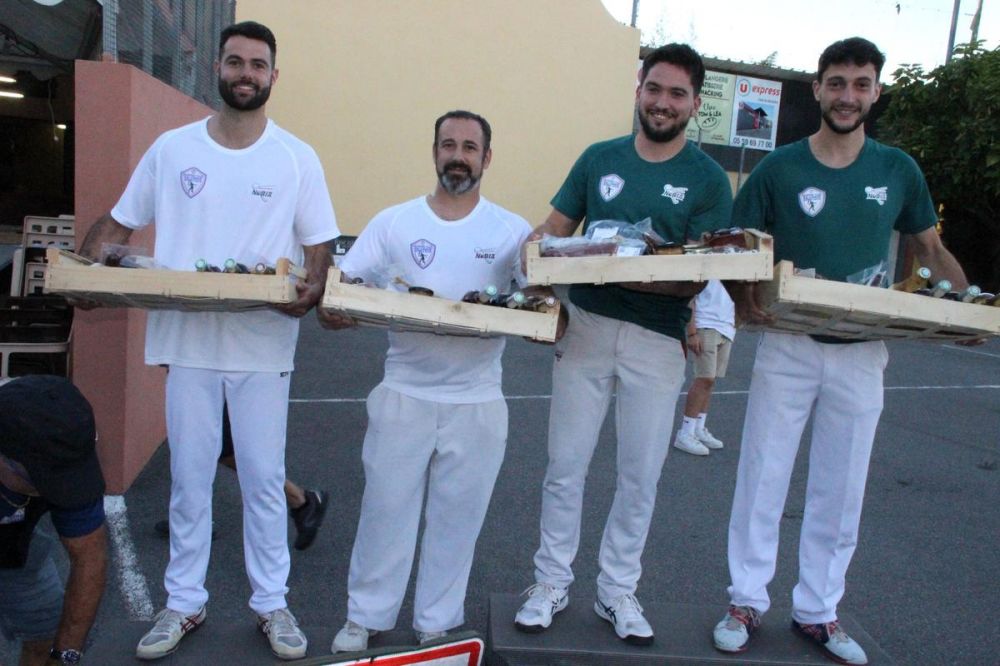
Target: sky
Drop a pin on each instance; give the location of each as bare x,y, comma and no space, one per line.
750,30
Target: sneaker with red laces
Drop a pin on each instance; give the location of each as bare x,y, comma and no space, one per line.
168,629
733,632
836,644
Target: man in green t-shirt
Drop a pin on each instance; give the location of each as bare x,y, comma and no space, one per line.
831,201
624,339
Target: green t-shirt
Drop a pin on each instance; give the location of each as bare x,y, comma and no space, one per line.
838,221
684,196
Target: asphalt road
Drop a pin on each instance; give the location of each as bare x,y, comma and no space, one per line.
923,583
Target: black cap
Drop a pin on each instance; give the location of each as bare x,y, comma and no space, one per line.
48,426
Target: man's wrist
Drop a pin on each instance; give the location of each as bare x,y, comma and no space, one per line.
69,656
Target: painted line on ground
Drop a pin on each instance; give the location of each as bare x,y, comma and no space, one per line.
952,387
135,589
969,350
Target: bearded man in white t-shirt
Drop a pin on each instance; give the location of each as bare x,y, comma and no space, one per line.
438,420
232,186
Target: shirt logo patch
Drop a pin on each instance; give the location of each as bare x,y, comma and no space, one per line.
487,254
879,194
16,517
262,192
193,181
422,252
675,194
610,186
812,200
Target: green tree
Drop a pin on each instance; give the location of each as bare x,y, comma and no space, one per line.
949,121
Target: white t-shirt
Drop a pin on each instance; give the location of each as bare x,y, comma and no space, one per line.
713,308
259,203
451,258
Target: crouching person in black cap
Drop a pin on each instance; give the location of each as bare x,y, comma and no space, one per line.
48,464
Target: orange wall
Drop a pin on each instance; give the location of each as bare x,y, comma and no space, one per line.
119,113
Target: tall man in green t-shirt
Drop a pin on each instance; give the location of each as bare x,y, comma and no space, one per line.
623,338
831,201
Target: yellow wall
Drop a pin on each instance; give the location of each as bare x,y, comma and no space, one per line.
362,81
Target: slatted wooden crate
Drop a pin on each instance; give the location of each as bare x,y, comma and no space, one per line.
855,312
696,267
74,276
431,314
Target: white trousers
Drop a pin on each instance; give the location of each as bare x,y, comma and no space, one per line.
597,357
258,412
841,384
455,452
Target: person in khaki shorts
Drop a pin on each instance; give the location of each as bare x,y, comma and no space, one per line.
710,336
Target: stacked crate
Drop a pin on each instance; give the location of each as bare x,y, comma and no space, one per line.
35,330
41,233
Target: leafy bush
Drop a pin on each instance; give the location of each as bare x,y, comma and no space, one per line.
949,121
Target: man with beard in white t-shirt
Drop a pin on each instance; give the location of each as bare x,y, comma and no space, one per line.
232,186
438,420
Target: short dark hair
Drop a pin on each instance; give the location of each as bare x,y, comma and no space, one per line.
680,55
466,115
250,30
853,50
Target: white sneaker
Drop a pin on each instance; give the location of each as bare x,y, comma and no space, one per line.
733,632
690,444
544,601
838,645
708,439
283,634
170,627
351,638
625,614
428,636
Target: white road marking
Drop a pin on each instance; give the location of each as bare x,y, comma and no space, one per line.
969,350
135,589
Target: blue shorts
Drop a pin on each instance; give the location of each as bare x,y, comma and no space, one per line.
31,598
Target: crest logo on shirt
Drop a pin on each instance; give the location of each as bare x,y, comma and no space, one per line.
193,181
487,254
262,192
879,194
610,186
422,252
675,194
812,200
16,517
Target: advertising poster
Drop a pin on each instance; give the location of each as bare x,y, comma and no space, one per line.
754,121
715,115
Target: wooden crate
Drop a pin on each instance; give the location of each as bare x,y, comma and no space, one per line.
74,276
431,314
855,312
756,265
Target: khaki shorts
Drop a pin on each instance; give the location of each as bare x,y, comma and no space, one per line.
714,357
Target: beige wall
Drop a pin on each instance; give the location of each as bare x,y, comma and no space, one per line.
363,81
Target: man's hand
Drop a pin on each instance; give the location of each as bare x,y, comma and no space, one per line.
695,344
82,303
748,310
333,320
677,289
309,294
317,263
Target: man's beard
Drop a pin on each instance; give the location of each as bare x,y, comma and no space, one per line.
456,183
655,135
251,104
841,129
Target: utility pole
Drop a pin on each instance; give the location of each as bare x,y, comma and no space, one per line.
975,22
951,35
635,11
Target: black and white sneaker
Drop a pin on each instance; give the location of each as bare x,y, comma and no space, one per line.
625,614
544,601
